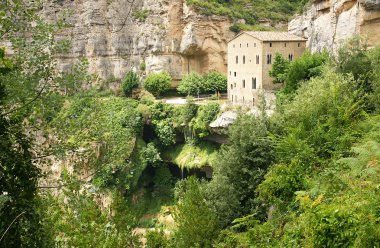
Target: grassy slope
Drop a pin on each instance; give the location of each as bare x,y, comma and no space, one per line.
251,10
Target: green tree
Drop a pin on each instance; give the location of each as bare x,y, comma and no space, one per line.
130,82
192,84
279,69
307,66
197,225
206,114
215,82
26,78
157,83
241,167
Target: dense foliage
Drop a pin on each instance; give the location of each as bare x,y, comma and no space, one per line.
157,83
195,84
292,74
102,132
130,81
250,10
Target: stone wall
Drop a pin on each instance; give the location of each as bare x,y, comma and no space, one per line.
328,23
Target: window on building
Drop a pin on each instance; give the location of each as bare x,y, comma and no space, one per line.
237,59
270,44
230,73
257,59
235,73
254,44
243,83
235,85
247,45
233,46
243,99
269,59
232,87
254,82
299,44
253,102
285,44
291,57
244,60
240,45
232,98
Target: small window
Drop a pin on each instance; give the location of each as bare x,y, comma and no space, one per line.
232,98
237,59
232,87
230,73
233,46
247,45
243,83
254,81
257,59
235,85
270,44
243,60
240,45
285,44
299,44
254,44
253,101
290,57
235,74
269,59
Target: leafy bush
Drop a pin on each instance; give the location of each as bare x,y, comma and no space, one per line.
215,82
130,81
195,84
165,132
197,225
158,83
151,154
206,114
156,239
307,66
241,167
279,69
192,84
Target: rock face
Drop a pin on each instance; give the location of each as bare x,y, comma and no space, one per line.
328,23
120,35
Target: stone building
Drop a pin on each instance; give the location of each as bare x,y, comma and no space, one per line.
250,58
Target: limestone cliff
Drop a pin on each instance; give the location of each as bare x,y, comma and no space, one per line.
169,36
327,23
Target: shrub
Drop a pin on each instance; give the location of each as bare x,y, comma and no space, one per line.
195,84
304,68
158,83
215,82
205,116
141,15
280,66
196,223
165,132
192,84
130,81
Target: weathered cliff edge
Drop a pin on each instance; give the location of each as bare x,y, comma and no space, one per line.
328,23
173,37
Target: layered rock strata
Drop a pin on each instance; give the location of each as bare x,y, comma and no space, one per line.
328,23
120,35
